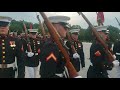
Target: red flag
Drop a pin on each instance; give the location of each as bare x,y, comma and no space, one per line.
100,17
31,26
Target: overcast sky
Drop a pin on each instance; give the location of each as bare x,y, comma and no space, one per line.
75,18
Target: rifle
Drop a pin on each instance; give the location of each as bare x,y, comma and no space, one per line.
26,35
117,21
41,26
58,40
99,39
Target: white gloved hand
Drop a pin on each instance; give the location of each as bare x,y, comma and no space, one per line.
116,63
114,56
76,55
30,54
78,77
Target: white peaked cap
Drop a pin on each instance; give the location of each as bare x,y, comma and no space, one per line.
33,30
74,30
5,19
101,28
57,19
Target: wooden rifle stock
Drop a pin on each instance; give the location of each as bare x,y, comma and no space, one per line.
96,34
42,28
28,40
57,39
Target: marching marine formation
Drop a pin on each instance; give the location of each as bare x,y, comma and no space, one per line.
56,49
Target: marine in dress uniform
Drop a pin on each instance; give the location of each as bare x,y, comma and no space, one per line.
32,58
76,61
52,60
10,47
99,64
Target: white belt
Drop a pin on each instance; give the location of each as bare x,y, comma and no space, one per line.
7,65
117,53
